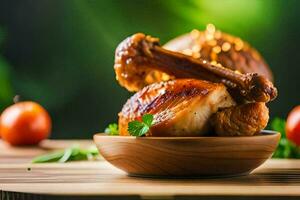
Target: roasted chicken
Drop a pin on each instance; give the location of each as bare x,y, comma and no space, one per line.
241,120
218,47
180,107
186,106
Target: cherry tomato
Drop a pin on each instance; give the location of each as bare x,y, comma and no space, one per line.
25,123
293,125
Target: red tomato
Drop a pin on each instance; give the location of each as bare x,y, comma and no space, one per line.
293,125
25,123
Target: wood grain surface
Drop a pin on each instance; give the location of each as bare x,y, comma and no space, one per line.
19,179
187,156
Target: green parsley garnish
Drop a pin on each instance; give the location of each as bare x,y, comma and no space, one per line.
140,128
112,129
73,153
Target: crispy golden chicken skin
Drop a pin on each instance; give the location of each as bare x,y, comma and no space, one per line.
180,107
216,46
242,120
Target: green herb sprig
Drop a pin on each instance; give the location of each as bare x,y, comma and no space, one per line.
140,128
73,153
112,129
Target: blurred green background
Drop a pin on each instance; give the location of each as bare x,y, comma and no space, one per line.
60,52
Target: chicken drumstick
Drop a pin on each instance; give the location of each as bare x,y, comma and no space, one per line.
138,55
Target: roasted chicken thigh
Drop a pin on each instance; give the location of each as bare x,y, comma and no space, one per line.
180,107
190,107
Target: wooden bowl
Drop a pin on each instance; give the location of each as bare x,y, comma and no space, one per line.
187,156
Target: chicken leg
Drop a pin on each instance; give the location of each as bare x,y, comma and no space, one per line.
138,55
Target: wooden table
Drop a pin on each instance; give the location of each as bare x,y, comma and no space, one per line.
19,179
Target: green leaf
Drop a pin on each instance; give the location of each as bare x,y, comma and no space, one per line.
144,130
137,128
279,125
93,150
148,119
66,156
112,129
70,154
51,157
